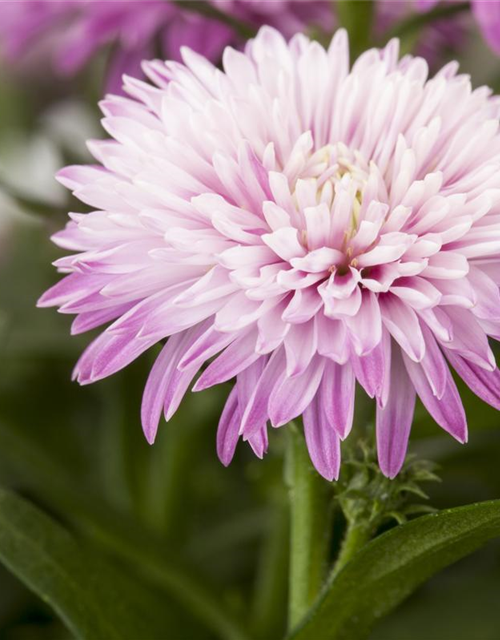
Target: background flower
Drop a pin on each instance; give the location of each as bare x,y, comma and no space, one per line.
69,32
313,225
449,34
487,14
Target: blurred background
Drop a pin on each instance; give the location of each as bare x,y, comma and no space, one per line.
79,452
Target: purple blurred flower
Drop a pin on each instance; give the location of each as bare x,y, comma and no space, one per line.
439,36
69,32
305,226
487,14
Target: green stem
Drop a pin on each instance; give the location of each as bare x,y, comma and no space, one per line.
202,7
357,17
271,585
356,536
310,523
417,21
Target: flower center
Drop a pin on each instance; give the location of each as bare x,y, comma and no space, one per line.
330,170
328,195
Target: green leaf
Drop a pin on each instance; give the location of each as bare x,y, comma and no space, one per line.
122,537
92,596
392,566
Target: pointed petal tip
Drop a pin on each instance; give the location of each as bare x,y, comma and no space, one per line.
226,452
340,37
327,476
47,300
277,423
389,470
149,429
198,386
460,436
343,431
81,378
259,454
330,473
83,382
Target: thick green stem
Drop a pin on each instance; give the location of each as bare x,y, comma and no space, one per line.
357,17
356,536
310,523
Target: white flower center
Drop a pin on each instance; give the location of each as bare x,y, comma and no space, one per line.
333,171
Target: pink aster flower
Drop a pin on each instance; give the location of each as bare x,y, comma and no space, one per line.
70,32
301,227
487,14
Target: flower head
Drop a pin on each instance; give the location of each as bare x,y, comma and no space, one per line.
69,32
303,227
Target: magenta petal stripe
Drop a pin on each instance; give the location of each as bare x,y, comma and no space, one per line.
295,227
227,432
322,441
394,420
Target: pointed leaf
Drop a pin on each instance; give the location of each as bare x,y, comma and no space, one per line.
93,597
122,537
391,567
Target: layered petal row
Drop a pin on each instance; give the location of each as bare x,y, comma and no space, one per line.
300,226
